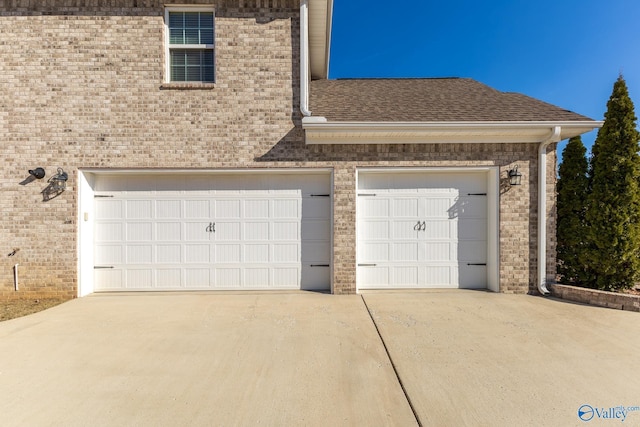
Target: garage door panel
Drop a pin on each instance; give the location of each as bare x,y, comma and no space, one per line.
315,277
438,275
404,229
168,278
139,278
197,254
139,231
403,208
286,278
473,207
472,250
402,252
139,209
434,230
284,231
108,254
256,209
437,207
168,209
255,278
316,252
110,232
109,209
375,277
139,254
406,276
228,231
226,209
168,231
315,229
169,254
285,209
256,253
198,209
376,229
371,207
473,229
234,231
473,276
110,279
228,253
374,252
285,253
316,208
198,277
438,251
438,222
196,231
252,231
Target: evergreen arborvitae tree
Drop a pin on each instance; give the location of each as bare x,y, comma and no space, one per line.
571,208
613,208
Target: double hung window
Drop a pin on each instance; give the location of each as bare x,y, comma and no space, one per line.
190,45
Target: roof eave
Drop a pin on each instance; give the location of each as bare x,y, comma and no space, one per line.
320,18
320,131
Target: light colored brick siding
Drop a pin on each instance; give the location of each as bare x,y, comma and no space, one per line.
81,87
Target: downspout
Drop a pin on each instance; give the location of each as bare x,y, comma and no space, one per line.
15,277
304,58
542,209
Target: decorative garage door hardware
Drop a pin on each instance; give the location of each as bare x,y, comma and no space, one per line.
320,195
479,263
320,265
211,228
420,226
369,195
367,265
97,196
101,267
476,194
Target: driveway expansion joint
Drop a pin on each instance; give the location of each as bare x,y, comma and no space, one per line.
393,365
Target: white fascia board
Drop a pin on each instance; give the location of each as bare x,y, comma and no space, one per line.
319,131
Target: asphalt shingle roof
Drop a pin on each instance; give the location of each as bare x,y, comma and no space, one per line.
426,100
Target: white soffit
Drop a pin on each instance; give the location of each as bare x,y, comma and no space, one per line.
318,132
319,36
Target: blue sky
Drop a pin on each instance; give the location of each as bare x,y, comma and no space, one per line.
565,52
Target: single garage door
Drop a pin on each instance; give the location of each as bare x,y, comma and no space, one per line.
422,230
215,231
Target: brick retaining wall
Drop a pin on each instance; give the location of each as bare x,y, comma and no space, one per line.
596,297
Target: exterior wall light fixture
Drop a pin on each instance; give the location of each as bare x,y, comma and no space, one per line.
515,177
58,181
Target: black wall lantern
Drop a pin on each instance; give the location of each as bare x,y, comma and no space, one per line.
515,177
37,173
58,182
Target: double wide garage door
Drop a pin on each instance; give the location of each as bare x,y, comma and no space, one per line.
215,231
422,230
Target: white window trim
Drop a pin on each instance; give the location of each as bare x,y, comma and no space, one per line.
168,46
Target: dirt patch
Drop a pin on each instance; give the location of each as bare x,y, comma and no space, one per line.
22,307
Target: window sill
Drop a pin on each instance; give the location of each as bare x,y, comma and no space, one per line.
187,86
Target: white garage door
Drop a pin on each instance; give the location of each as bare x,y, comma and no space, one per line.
219,231
422,230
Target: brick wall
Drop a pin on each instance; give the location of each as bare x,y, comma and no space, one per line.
81,86
595,297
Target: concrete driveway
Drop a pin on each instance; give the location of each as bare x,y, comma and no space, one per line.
290,359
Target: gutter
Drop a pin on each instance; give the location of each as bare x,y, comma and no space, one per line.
304,58
542,208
